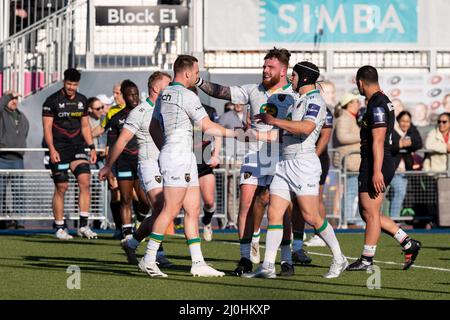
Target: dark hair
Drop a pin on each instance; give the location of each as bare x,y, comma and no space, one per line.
368,74
155,76
281,54
72,74
91,101
447,114
184,62
127,84
401,114
227,107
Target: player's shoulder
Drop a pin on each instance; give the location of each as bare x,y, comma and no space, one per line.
54,97
141,108
80,96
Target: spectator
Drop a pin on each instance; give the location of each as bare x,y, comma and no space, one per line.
398,106
405,141
446,103
328,90
438,141
233,150
14,128
420,118
346,140
96,115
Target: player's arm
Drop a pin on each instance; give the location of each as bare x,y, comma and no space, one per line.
87,135
379,135
215,156
211,128
156,132
325,135
47,123
214,90
302,127
97,131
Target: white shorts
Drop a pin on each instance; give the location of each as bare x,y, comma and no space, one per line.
252,175
178,170
149,175
258,169
299,176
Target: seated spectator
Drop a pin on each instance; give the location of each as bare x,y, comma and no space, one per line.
398,106
421,119
438,141
405,141
346,140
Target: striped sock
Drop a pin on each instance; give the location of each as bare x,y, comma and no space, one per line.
273,241
127,229
368,254
256,236
297,244
152,247
403,238
59,224
327,234
286,254
195,250
245,247
84,219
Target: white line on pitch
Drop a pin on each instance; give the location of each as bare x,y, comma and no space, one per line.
352,258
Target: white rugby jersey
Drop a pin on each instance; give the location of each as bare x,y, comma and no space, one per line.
138,122
312,107
275,102
177,109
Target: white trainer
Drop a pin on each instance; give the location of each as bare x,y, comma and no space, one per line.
261,272
315,241
129,252
87,232
207,232
336,268
151,269
63,234
201,269
255,257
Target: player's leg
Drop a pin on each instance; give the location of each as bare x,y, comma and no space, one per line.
287,267
298,228
316,241
259,208
61,180
126,198
277,208
309,207
208,191
114,204
81,170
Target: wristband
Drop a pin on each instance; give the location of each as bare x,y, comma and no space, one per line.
91,146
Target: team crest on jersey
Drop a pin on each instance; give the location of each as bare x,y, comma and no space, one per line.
80,105
61,105
269,108
158,179
247,174
187,177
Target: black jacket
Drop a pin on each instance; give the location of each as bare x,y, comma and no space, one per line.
12,135
406,153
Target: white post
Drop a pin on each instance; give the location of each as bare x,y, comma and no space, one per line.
4,25
196,30
90,32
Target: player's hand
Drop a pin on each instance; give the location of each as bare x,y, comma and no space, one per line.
54,156
104,173
265,118
214,161
378,182
93,157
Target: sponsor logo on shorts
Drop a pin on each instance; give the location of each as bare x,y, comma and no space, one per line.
80,156
187,177
158,179
174,178
311,185
247,174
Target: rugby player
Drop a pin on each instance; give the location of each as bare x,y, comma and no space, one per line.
138,124
66,133
376,172
299,171
176,110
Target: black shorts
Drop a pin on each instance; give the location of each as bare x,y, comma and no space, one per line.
204,169
126,169
365,177
325,164
68,154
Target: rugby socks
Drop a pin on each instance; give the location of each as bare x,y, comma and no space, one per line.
195,250
286,254
245,247
273,241
368,254
208,214
403,238
297,244
115,211
84,219
327,234
127,229
152,247
256,236
59,224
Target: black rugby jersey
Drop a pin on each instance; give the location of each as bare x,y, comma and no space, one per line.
380,113
327,125
66,114
114,127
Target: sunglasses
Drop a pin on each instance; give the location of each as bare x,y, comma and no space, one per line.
99,108
442,121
